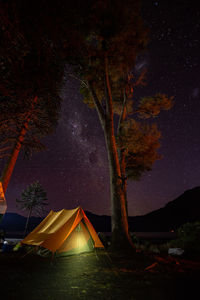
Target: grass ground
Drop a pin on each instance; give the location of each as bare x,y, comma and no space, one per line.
97,275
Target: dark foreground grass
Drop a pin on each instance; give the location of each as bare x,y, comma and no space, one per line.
97,276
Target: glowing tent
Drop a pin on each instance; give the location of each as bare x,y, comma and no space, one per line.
65,232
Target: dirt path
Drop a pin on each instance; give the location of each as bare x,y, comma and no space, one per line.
93,276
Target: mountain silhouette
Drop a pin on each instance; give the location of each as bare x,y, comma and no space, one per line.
185,208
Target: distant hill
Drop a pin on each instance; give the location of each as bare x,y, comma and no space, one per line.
185,208
15,223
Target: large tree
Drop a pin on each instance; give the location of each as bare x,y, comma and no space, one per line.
106,47
30,77
108,44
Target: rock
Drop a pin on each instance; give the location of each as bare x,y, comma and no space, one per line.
175,251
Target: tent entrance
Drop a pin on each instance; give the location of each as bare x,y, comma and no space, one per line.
79,241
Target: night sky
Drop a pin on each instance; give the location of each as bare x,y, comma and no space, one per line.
74,169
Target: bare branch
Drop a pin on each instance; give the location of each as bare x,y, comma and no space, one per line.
123,113
5,148
141,79
97,104
78,78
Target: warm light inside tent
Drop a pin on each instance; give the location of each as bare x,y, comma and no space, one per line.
79,241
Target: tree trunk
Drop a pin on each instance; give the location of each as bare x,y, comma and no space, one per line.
122,155
8,170
122,152
120,233
27,221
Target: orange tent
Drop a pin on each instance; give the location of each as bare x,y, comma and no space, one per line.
65,231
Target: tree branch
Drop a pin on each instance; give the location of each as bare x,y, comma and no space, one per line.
97,104
77,78
123,113
5,148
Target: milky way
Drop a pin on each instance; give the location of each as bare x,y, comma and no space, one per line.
74,169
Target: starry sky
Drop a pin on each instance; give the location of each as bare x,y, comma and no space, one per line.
74,168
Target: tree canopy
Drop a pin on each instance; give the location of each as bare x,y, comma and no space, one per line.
29,68
33,198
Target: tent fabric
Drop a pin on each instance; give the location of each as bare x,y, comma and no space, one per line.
64,231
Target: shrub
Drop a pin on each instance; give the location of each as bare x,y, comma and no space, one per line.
134,238
188,238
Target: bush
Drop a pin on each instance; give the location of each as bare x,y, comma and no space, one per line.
188,238
144,245
134,238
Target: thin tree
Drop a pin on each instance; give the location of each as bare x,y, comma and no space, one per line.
104,53
33,200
